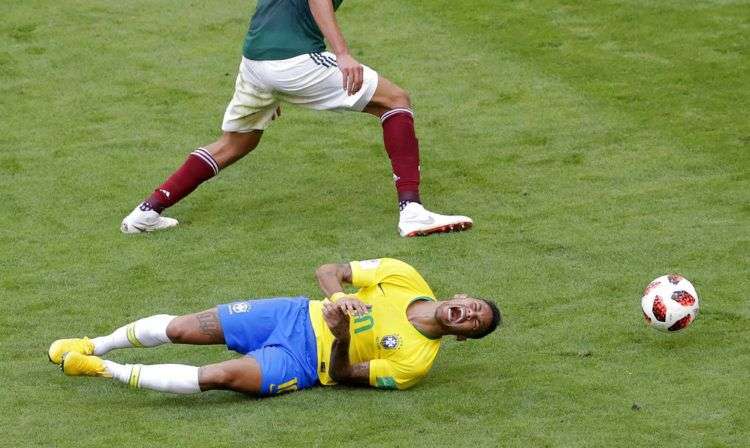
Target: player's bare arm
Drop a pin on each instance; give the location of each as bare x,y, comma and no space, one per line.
341,370
331,278
325,18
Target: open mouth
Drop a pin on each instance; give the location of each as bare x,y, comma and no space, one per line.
456,314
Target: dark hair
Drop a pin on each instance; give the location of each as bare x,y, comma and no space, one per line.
497,320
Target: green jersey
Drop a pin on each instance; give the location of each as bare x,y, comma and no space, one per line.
283,29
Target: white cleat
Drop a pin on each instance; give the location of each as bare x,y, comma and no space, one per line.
140,220
415,220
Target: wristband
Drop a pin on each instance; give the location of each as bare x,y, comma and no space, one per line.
336,295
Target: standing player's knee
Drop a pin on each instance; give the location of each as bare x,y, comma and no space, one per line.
232,146
239,144
244,146
399,98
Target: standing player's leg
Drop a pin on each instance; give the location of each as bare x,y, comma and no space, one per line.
200,166
392,105
314,81
250,111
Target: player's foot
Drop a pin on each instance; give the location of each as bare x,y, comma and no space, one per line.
78,364
415,220
143,219
61,346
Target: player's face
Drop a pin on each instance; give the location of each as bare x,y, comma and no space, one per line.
464,315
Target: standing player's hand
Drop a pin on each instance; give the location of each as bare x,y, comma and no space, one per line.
352,72
337,320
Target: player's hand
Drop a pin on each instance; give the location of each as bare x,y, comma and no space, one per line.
337,320
352,305
352,72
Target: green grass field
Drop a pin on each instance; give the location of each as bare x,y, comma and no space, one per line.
597,145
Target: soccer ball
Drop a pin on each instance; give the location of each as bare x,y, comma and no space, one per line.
669,303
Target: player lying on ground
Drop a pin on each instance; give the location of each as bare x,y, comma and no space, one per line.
390,340
284,60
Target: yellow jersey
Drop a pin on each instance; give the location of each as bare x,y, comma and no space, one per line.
399,355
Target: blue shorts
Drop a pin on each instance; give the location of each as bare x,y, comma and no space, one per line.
279,335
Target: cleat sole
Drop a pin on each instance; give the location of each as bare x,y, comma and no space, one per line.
62,362
457,227
133,229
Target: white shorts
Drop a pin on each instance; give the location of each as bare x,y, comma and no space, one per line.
309,80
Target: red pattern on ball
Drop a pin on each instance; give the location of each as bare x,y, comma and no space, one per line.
682,323
648,319
684,298
674,278
651,286
659,309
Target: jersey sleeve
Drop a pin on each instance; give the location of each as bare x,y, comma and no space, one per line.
387,374
371,272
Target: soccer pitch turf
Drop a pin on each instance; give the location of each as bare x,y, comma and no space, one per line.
597,145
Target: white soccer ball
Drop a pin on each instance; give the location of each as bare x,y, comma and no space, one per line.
670,303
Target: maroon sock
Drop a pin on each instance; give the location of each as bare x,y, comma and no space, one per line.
198,168
403,149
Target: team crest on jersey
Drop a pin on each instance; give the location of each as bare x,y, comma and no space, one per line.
240,307
390,342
